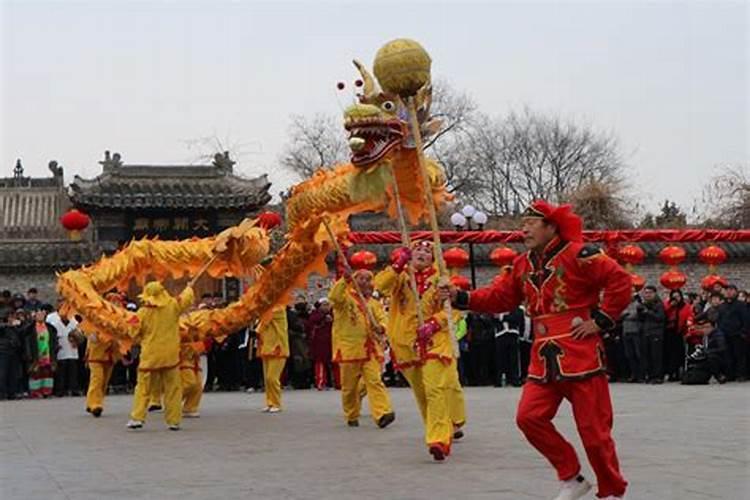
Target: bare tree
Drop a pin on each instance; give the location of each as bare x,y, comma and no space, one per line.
603,206
204,149
726,199
314,143
525,156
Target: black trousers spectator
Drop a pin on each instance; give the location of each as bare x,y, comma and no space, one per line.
506,357
524,355
66,377
482,354
674,354
228,368
737,357
653,347
83,373
632,345
210,368
9,367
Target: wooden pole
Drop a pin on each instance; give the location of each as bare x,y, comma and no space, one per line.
414,123
360,296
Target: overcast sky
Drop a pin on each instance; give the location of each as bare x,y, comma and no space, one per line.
670,79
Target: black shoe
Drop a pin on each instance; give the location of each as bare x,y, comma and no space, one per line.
153,408
97,412
353,423
88,410
458,434
386,420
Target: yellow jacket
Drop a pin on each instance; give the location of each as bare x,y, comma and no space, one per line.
99,350
352,339
273,336
402,317
189,359
159,331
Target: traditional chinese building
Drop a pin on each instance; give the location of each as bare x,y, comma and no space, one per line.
128,202
124,202
33,244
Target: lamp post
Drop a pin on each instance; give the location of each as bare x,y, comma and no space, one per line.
462,220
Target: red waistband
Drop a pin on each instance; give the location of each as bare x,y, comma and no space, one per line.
559,323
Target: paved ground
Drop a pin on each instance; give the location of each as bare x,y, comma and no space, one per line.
675,442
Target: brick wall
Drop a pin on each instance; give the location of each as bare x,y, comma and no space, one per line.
21,282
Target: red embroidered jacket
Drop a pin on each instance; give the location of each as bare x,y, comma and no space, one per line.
567,284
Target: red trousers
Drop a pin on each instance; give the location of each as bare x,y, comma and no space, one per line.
592,411
321,374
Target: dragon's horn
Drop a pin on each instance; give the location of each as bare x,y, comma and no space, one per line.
369,81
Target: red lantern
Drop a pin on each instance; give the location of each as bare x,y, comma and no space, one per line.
461,282
269,220
363,259
712,280
672,255
638,281
75,221
456,257
503,256
631,254
712,256
673,280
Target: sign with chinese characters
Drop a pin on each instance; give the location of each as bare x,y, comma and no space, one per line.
172,227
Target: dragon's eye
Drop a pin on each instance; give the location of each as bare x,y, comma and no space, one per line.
388,106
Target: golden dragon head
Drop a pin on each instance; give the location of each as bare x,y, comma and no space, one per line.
379,123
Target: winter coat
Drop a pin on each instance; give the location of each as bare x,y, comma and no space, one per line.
631,322
319,335
652,317
733,318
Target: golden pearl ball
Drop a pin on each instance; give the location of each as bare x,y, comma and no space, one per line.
402,67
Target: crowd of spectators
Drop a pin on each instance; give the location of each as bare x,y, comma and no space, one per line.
658,339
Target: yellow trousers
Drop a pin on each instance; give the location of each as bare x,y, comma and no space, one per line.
168,382
353,375
98,381
272,368
439,399
154,394
192,390
454,397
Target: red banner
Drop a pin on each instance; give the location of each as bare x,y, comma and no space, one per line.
608,237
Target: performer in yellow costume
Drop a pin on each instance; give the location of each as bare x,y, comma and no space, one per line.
192,384
273,349
357,350
101,356
424,355
159,337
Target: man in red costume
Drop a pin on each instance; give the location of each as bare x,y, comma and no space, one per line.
572,292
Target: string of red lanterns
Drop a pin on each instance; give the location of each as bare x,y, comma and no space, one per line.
633,255
712,256
503,256
672,256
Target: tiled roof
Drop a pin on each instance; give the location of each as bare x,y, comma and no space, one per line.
31,207
170,186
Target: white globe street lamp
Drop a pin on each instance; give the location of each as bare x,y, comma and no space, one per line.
468,211
458,220
463,220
